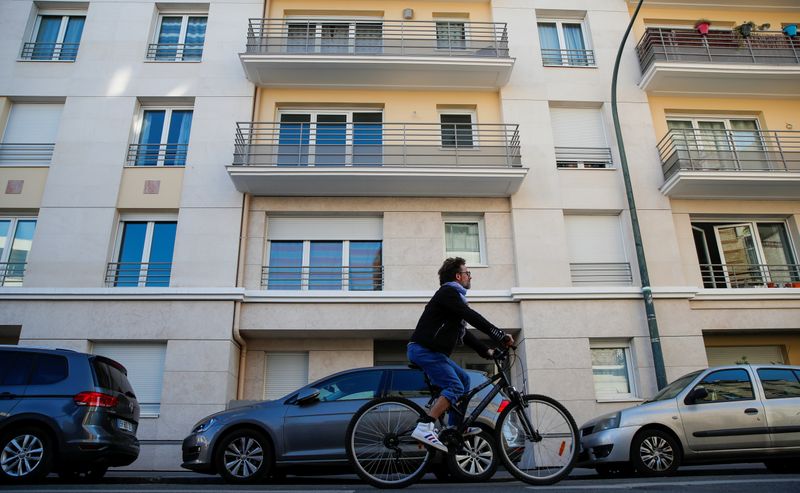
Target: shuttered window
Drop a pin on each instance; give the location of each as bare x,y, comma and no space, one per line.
33,123
145,365
732,355
579,138
284,373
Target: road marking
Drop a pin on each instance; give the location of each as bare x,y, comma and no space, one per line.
659,483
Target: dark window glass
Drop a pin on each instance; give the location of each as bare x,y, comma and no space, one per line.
15,368
779,383
361,385
408,383
727,385
675,388
110,377
49,369
457,131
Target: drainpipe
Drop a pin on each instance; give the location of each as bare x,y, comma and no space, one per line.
647,292
237,307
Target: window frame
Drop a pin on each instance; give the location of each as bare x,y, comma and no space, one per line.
139,124
627,347
65,14
151,220
452,20
184,15
473,219
562,44
473,114
9,238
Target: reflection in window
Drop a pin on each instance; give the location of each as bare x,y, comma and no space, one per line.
352,386
779,383
727,385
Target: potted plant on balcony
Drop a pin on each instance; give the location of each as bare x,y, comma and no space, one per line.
745,28
702,26
790,30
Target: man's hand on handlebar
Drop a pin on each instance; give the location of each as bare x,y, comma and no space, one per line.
508,341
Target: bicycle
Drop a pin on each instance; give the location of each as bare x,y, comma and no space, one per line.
536,436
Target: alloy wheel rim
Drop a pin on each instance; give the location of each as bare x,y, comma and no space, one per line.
477,457
656,453
21,455
243,457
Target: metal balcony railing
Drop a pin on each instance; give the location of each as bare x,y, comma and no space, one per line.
750,275
583,157
157,154
352,278
377,144
601,273
729,150
377,38
26,154
50,51
138,274
175,52
12,273
688,45
568,58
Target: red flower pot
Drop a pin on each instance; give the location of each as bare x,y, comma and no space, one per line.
702,28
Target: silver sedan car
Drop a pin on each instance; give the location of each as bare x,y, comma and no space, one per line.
741,413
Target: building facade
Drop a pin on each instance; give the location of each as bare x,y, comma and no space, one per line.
237,198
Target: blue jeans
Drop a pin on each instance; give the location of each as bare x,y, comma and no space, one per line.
442,372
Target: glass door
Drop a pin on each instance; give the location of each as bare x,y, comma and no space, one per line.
748,145
294,134
335,38
367,139
739,250
369,38
330,140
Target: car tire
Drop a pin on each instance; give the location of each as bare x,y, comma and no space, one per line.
93,474
616,470
780,466
655,453
36,446
243,457
477,461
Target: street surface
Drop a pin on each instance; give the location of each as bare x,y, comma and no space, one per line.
741,478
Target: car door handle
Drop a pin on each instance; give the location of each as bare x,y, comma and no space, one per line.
751,410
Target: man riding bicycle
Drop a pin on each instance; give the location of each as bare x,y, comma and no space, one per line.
441,327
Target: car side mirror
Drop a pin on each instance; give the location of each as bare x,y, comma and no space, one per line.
698,393
307,396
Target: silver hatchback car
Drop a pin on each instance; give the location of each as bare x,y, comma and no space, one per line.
741,413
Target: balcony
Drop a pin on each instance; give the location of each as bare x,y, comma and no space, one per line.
174,52
568,58
377,54
750,275
138,274
722,63
601,273
583,157
157,154
12,273
14,154
731,164
64,52
352,278
377,159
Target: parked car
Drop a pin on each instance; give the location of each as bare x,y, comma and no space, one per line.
64,411
741,413
307,428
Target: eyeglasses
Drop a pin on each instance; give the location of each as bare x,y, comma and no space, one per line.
465,272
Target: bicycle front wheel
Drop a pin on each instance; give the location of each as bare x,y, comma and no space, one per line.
379,443
545,456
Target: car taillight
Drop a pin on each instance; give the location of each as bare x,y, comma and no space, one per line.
95,399
503,404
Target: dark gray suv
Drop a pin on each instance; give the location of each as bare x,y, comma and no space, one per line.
64,411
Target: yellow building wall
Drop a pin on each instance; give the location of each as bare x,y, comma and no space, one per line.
423,11
398,106
791,343
720,17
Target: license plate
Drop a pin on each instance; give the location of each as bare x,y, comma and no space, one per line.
125,425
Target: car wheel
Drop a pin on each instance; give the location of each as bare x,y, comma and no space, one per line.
26,455
476,461
779,466
655,453
244,457
616,470
90,475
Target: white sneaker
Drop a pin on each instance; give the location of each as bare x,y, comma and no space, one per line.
426,433
472,431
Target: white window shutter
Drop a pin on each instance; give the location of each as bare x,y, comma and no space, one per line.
594,239
578,127
32,123
284,373
325,228
731,355
145,365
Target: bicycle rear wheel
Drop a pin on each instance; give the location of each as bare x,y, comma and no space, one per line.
379,443
543,459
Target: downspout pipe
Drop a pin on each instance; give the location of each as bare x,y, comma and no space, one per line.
647,292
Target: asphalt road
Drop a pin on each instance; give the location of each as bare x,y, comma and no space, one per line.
743,478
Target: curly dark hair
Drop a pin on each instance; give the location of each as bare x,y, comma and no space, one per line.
449,268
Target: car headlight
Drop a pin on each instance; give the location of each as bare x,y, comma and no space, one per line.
204,425
608,423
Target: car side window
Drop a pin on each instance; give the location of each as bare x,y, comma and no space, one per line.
779,383
360,385
727,385
16,368
408,383
49,369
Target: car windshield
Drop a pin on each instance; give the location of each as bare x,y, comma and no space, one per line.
675,388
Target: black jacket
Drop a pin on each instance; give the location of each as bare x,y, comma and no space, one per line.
442,324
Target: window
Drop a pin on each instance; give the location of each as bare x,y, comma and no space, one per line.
451,35
457,130
144,254
596,250
162,137
351,386
15,367
737,355
330,138
16,238
284,373
55,36
334,37
580,138
612,370
726,385
563,43
30,134
718,143
464,237
145,365
779,383
313,254
409,384
179,38
49,369
744,254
